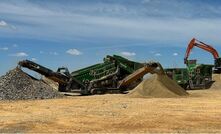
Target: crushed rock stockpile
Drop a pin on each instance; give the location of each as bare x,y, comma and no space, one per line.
51,83
217,81
159,86
17,85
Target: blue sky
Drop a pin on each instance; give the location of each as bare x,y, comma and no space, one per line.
78,33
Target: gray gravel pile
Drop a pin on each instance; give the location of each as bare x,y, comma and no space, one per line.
17,85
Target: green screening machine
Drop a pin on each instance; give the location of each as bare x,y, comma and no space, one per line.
114,74
195,76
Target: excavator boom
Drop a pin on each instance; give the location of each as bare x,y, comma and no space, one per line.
196,43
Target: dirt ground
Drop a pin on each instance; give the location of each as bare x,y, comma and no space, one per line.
200,112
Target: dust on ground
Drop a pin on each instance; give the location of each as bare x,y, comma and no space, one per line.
199,112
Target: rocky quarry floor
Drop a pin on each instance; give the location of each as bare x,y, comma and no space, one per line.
156,105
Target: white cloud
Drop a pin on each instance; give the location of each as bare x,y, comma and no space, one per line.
53,53
14,45
20,54
157,54
50,53
73,52
3,23
145,1
175,54
152,52
4,48
113,21
128,53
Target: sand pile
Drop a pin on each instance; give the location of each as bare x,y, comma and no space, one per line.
158,86
217,81
17,85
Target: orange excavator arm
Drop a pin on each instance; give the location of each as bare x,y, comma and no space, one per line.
196,43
